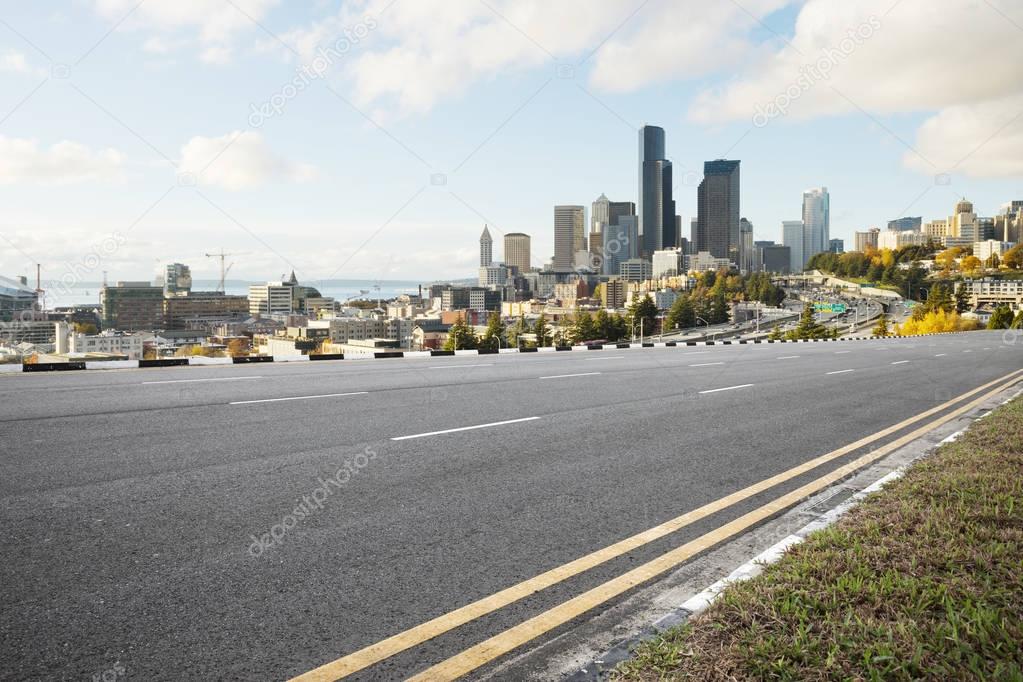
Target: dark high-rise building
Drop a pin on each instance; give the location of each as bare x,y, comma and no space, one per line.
717,210
656,209
906,224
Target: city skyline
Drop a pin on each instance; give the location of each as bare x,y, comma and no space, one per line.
87,158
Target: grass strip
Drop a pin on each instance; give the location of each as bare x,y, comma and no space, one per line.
922,580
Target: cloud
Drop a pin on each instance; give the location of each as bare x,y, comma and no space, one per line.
216,22
980,140
22,160
15,62
410,69
238,161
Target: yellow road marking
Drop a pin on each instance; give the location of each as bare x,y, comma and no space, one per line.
512,638
423,632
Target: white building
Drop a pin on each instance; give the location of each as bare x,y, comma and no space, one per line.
792,236
705,260
271,298
112,342
896,239
635,270
668,263
816,221
985,249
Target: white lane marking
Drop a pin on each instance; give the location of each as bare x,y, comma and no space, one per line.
840,352
706,364
190,381
487,364
298,397
900,362
987,349
727,388
613,357
565,376
465,428
787,357
967,351
939,355
842,371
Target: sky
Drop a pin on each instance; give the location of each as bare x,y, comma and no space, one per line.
374,138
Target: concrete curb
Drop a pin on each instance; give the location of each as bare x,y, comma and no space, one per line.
204,361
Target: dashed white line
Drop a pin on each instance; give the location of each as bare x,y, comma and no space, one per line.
900,362
842,371
613,357
191,381
465,428
840,352
298,397
726,388
787,357
566,376
486,364
940,355
967,351
706,364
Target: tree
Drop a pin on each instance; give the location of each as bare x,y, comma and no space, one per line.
776,334
238,347
602,325
583,328
542,331
1001,318
85,328
881,328
682,314
643,315
971,264
494,335
719,309
809,327
461,336
1017,323
1013,258
962,300
516,332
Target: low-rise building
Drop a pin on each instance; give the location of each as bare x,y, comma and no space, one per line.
993,292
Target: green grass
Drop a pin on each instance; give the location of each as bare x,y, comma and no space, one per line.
922,580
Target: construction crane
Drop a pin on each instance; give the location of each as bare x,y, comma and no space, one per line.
223,269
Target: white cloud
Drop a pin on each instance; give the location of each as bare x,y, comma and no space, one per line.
418,53
22,160
216,22
981,140
16,62
237,161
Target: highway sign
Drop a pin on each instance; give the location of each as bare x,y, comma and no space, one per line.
836,308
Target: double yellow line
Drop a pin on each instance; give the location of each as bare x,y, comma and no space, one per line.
510,639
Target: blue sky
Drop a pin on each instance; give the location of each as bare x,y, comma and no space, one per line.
148,133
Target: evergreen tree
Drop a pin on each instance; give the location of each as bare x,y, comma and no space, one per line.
516,332
619,328
961,299
602,325
1001,318
681,315
494,335
583,328
542,331
643,315
719,309
809,327
461,336
1017,323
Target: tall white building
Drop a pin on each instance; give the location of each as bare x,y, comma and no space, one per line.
792,236
486,248
816,221
668,263
272,298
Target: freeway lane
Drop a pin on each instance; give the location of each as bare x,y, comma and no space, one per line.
129,530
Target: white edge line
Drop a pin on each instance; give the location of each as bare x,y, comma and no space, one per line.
565,376
842,371
189,381
464,428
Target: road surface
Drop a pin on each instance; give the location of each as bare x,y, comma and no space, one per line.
150,515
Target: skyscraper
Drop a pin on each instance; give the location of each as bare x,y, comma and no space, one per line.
656,206
816,221
569,235
486,248
792,237
746,263
516,251
717,210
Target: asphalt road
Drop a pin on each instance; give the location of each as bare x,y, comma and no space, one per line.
130,500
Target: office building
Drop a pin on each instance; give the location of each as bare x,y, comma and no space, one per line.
635,270
107,342
862,240
516,251
836,246
177,279
132,306
963,223
745,246
272,298
705,260
816,221
569,235
775,258
990,247
16,297
613,293
620,243
203,308
895,239
937,230
493,275
1008,225
486,248
793,237
717,210
656,207
906,224
668,263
